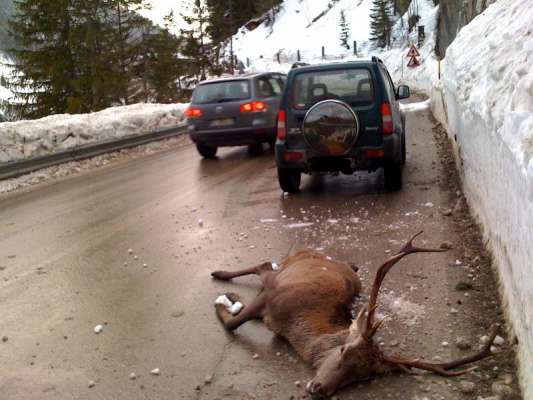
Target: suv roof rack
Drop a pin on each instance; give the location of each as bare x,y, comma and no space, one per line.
299,64
377,60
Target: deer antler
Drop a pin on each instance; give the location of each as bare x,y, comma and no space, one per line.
443,368
371,328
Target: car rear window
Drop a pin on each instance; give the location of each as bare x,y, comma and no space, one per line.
353,86
220,92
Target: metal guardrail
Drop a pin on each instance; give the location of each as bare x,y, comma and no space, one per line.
18,168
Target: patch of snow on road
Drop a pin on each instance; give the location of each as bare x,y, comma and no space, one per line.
404,309
298,225
413,107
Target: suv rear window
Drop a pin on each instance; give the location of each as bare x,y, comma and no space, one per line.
353,86
219,92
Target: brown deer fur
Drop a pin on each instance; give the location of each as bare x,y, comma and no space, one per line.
307,301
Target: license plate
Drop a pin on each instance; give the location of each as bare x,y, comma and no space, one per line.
222,122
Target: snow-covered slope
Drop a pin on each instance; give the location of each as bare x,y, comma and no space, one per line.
486,102
295,30
26,139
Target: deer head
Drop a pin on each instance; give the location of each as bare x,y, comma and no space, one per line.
359,358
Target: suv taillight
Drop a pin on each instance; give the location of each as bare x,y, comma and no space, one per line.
282,125
386,119
256,106
193,112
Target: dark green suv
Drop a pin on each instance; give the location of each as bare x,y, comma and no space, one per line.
341,117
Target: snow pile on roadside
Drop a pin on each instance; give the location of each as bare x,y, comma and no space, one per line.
486,103
27,139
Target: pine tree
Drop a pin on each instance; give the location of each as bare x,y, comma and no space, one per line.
196,47
345,31
380,23
128,24
44,63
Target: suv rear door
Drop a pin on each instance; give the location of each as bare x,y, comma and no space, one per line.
220,102
354,85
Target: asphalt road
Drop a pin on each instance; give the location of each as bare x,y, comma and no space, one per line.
65,268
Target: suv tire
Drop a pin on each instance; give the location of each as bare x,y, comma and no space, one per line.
393,177
289,179
206,151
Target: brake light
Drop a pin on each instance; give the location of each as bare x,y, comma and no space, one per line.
282,126
386,119
293,156
256,106
193,112
375,153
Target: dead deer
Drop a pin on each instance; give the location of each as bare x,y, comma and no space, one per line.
307,301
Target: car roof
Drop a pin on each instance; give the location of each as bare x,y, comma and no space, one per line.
336,65
246,76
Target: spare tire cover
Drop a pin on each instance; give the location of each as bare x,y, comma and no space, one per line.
331,127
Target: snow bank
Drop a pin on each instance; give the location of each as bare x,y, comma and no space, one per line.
486,103
27,139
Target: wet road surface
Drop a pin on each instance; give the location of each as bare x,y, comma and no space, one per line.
65,268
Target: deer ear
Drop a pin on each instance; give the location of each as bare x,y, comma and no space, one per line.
357,326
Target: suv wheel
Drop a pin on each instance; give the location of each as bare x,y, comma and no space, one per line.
393,177
206,151
289,179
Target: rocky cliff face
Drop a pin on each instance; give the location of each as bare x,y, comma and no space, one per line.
454,14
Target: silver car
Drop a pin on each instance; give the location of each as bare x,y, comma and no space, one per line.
235,111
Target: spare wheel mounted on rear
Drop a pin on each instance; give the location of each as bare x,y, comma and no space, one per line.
331,128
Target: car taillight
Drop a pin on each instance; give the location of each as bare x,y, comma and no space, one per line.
255,106
386,119
282,127
193,112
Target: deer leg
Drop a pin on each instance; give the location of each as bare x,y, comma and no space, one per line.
252,311
228,275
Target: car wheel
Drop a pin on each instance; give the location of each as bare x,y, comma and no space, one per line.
393,177
206,151
289,179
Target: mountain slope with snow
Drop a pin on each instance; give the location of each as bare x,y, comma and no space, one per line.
306,26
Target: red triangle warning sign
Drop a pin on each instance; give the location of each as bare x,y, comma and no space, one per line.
413,52
413,62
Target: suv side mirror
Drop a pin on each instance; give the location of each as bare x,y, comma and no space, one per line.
403,92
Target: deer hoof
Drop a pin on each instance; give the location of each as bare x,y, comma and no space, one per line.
234,297
220,275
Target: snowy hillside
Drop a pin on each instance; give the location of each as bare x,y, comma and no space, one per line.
308,25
